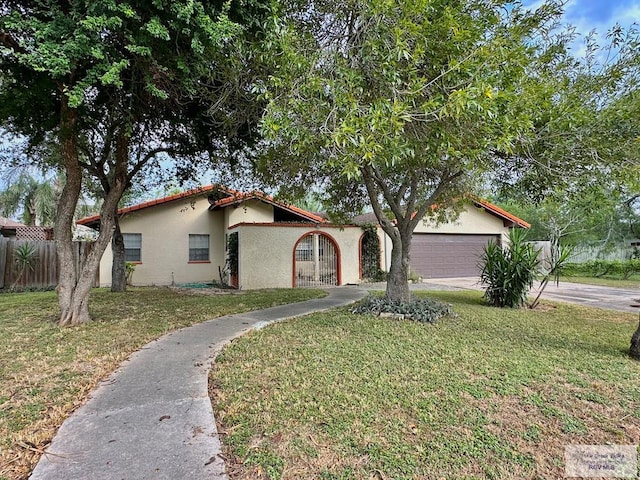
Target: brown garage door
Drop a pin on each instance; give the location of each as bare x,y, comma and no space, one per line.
440,255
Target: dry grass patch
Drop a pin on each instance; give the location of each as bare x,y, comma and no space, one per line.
46,372
491,394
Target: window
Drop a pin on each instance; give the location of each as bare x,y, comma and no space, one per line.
198,248
132,247
304,250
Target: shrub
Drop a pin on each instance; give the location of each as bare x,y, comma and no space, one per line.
508,273
130,268
420,309
576,269
25,257
601,268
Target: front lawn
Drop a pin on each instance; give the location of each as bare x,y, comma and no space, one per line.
490,394
46,371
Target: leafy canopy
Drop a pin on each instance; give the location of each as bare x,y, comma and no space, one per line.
417,94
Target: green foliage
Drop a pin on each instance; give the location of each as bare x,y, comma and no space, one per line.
552,268
371,255
130,267
232,253
594,213
508,272
421,309
602,268
34,200
398,105
25,257
586,130
444,96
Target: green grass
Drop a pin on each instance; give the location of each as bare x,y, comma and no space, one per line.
608,281
490,394
47,371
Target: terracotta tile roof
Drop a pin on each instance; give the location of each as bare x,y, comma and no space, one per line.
365,219
370,218
7,222
231,197
501,213
243,197
160,201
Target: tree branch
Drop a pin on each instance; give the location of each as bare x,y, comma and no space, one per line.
388,195
424,208
8,41
385,223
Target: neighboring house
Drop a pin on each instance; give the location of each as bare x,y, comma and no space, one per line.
20,231
189,237
8,227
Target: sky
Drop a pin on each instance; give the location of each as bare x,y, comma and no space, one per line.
599,15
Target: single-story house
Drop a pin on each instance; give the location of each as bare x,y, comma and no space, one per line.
253,241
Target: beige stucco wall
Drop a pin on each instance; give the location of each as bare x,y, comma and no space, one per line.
252,211
266,253
471,220
165,233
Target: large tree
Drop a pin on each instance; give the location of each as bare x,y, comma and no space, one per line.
402,105
586,131
68,67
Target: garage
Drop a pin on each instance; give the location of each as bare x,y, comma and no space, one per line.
435,255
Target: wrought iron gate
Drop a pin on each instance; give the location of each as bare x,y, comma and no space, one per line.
315,261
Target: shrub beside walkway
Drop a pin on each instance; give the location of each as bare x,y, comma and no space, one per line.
152,418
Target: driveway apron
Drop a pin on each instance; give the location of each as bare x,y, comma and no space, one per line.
152,418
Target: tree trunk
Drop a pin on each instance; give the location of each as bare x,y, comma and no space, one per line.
119,265
634,351
74,287
71,312
398,277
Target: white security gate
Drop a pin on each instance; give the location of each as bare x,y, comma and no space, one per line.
315,261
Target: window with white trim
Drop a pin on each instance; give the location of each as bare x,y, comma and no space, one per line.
132,247
198,248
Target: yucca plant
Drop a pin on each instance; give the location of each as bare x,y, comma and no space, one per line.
554,267
25,257
509,272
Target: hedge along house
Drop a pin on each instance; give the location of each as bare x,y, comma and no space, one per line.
253,241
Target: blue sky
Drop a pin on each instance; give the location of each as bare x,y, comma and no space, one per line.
601,15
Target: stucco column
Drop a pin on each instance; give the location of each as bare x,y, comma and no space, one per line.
316,257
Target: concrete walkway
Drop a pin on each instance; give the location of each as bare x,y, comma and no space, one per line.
152,418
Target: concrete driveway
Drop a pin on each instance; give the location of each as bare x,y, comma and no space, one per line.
590,295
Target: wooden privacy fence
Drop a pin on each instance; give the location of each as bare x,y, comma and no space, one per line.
45,270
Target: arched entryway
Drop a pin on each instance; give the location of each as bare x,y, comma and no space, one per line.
316,261
370,256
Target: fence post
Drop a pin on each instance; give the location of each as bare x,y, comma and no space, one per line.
4,242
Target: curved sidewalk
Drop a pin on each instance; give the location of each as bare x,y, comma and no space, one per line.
152,418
